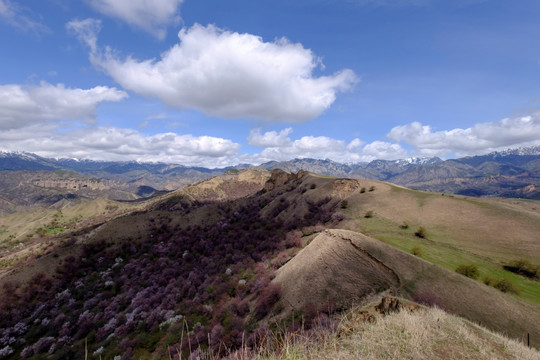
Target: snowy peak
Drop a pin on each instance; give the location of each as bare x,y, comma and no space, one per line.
521,151
418,161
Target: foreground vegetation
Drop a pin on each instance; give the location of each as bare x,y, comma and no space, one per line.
425,333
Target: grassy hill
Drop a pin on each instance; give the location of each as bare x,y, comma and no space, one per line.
215,265
344,268
486,232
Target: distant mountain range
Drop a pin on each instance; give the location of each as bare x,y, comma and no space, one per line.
509,173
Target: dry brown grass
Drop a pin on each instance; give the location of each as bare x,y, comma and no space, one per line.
425,334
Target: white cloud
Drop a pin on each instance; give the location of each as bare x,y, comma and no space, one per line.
229,75
317,147
354,144
479,139
383,150
156,116
86,31
21,106
109,143
270,138
20,18
279,146
151,16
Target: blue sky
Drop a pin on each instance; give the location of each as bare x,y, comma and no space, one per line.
217,83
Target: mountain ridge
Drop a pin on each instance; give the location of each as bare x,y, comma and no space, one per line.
508,173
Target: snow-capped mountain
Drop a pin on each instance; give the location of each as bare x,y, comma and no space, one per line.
499,173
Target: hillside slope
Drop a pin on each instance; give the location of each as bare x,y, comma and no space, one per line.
345,267
193,268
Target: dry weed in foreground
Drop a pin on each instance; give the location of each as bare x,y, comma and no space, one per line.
424,334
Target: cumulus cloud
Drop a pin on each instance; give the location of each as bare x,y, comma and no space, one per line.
481,138
150,16
279,146
270,138
20,18
383,150
21,106
110,143
355,144
226,74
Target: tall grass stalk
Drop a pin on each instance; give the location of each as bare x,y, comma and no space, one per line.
423,334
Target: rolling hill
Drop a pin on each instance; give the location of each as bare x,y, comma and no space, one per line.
27,180
212,266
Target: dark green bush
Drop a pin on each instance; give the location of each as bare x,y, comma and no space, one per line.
506,286
470,271
421,232
369,214
502,285
417,251
522,267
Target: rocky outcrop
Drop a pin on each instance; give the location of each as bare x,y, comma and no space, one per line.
279,177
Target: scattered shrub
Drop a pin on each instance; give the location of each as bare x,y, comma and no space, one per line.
27,352
313,186
417,251
344,204
522,267
404,226
421,232
337,217
506,286
6,351
239,306
307,232
280,259
362,190
372,188
470,271
368,214
502,285
267,299
43,344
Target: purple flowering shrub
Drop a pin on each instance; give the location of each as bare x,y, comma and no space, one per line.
211,277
